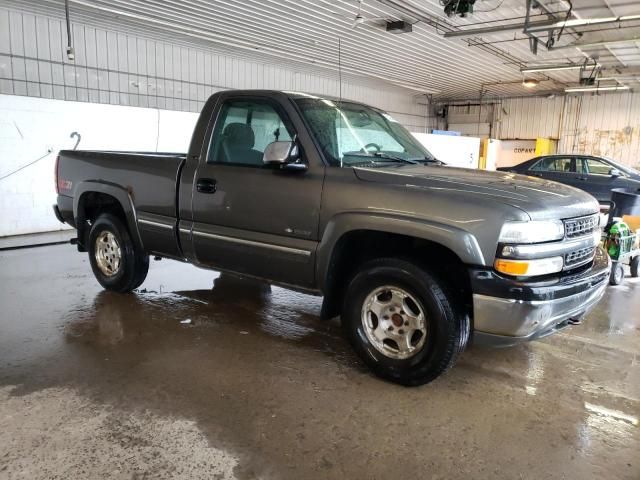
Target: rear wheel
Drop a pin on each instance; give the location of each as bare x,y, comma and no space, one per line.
635,265
402,322
617,274
116,262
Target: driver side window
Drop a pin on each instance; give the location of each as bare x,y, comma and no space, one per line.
243,130
554,164
595,167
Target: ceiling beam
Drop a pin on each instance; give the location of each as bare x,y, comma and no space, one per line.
596,44
471,32
542,26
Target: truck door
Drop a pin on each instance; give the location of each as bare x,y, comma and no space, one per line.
249,217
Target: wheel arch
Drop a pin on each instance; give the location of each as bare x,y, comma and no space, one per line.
94,197
445,251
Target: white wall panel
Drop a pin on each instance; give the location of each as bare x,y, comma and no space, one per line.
125,69
36,128
528,118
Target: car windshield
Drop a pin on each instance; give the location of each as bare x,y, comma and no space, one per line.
352,134
624,168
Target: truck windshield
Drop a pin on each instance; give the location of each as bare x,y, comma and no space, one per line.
352,134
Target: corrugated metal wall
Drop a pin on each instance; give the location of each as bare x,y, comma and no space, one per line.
125,69
606,124
528,118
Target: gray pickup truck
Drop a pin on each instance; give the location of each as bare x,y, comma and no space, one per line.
335,198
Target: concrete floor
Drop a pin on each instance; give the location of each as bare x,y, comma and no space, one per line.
182,380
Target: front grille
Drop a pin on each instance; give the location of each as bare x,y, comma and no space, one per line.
578,257
579,227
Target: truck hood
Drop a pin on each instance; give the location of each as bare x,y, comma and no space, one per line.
540,199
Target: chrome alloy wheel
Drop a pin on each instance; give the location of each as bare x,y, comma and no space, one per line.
394,322
108,254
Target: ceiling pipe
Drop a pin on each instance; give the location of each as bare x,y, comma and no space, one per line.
597,44
542,26
517,27
552,68
608,88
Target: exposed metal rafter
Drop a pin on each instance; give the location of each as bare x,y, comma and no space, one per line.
541,26
597,44
301,35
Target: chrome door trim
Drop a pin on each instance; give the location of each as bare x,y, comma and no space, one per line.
155,224
242,241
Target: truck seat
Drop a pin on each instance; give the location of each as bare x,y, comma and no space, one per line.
237,145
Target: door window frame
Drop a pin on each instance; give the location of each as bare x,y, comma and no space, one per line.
571,158
604,162
217,117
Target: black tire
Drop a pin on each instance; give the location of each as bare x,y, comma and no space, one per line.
447,327
617,274
635,266
134,263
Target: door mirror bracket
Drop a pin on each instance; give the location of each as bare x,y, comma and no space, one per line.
614,172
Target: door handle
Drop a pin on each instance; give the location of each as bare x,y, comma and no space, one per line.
206,185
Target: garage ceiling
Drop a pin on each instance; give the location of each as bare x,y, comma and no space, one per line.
311,32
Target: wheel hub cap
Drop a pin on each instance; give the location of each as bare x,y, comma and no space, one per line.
394,322
108,253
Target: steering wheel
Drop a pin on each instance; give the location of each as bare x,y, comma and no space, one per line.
366,148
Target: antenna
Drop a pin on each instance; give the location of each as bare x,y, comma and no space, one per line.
340,69
339,130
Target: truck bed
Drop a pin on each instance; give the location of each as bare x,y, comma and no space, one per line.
148,179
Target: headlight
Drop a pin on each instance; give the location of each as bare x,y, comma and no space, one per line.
529,268
532,232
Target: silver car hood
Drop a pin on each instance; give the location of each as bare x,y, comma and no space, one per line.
541,199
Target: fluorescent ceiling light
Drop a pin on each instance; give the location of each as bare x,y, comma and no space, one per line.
596,89
549,68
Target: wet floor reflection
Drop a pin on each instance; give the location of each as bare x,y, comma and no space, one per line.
233,306
262,376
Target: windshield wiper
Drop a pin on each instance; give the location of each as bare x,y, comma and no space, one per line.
428,160
393,158
382,156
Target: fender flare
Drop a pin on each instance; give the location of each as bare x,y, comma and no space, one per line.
118,192
460,242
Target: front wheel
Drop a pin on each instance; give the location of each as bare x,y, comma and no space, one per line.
116,262
402,322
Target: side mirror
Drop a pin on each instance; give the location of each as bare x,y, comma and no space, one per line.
614,172
278,153
283,154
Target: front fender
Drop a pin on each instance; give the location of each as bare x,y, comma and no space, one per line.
459,241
